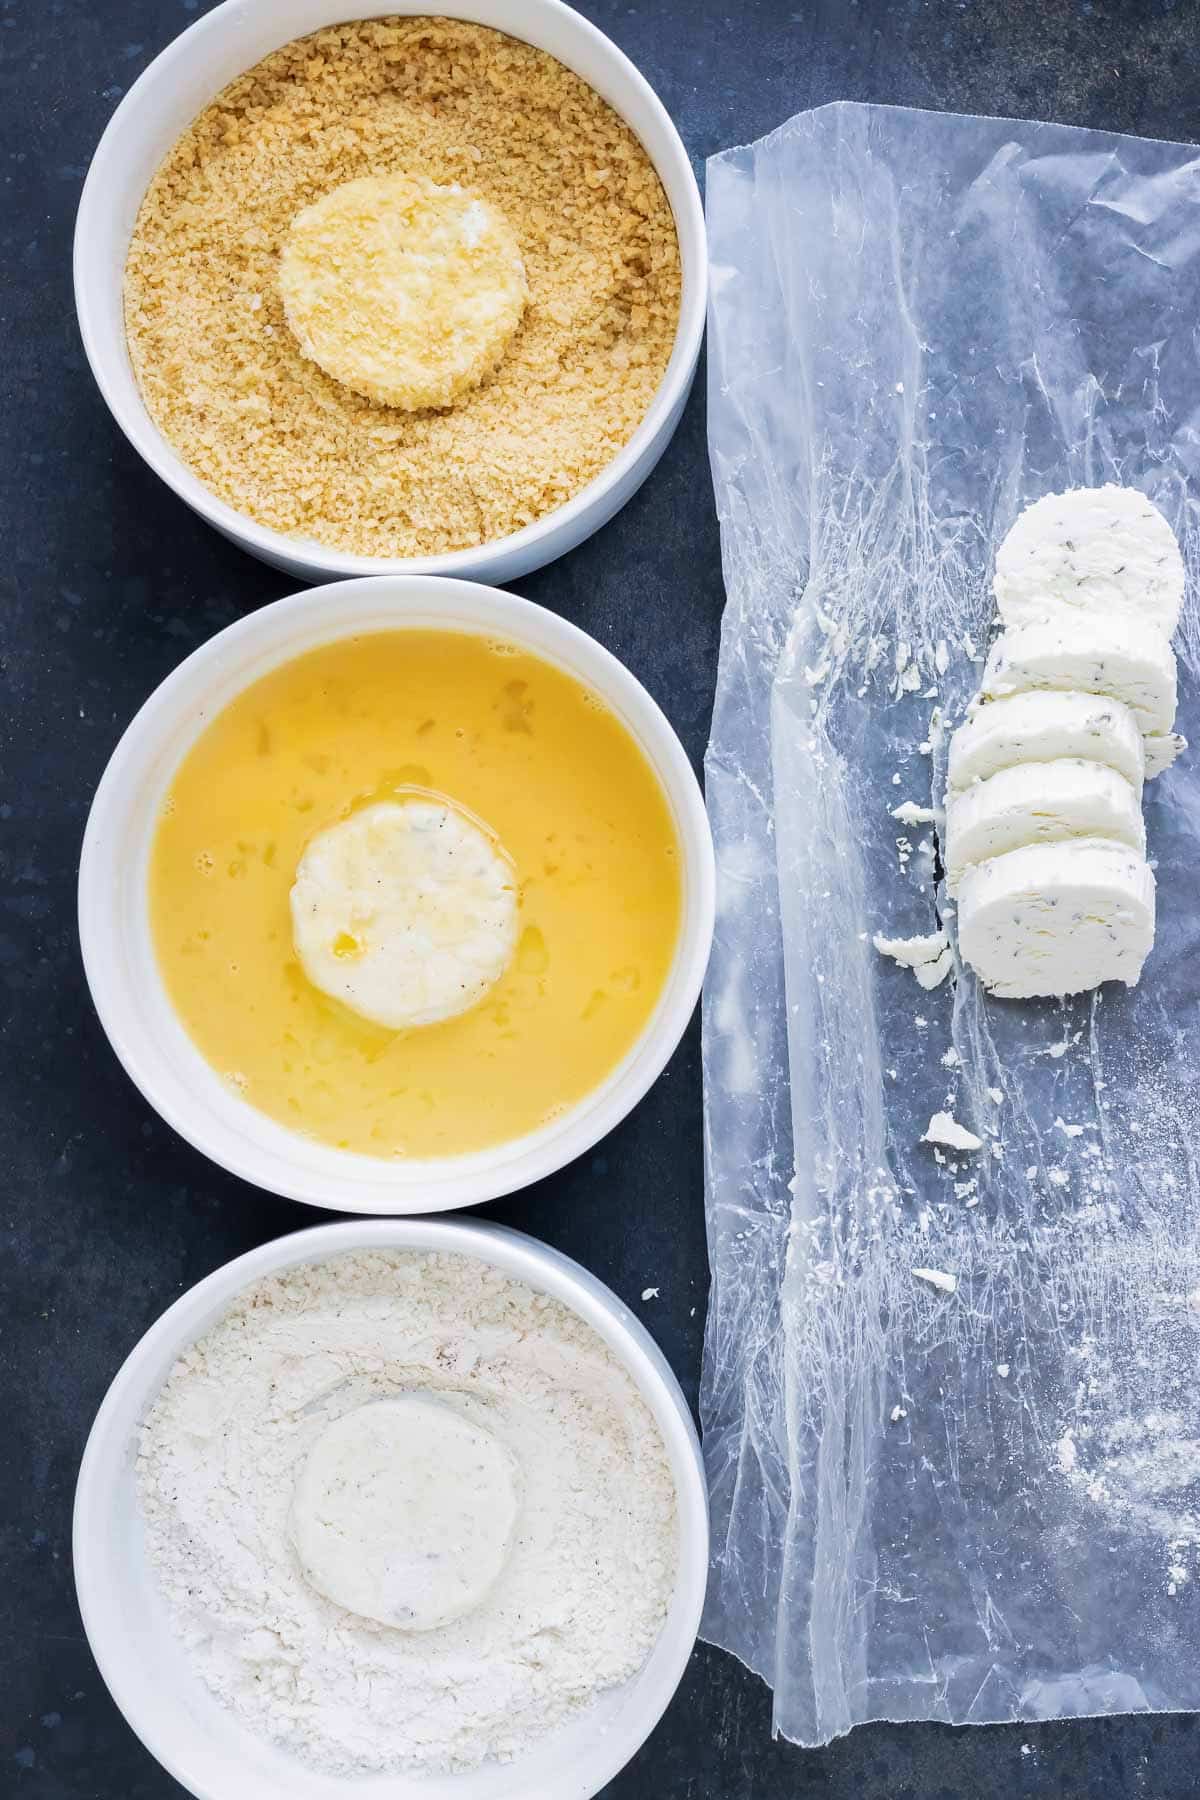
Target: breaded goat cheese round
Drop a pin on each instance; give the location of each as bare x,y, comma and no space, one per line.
1103,551
403,290
406,912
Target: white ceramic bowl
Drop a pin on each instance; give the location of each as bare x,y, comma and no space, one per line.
206,1747
118,953
180,82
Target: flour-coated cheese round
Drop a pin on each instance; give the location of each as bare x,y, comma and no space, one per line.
1041,726
1117,657
404,1512
406,911
1103,552
1057,918
1040,803
403,290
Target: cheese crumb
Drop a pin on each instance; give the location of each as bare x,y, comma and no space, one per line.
909,813
938,1278
911,952
944,1128
932,974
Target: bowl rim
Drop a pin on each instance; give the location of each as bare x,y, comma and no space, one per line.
523,1258
353,1182
525,549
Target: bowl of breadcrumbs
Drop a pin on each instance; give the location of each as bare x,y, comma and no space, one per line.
408,294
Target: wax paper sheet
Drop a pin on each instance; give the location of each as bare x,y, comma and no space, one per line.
978,1500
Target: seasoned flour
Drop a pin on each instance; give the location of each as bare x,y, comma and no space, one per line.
581,1599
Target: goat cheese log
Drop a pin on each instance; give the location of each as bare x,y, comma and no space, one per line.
1044,844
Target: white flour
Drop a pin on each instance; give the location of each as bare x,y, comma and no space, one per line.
586,1588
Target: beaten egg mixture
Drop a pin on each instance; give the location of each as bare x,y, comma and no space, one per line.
518,745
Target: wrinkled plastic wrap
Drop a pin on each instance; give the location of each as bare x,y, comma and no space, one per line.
980,1504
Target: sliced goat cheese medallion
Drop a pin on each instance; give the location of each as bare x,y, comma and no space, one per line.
1103,552
1040,803
1041,726
406,912
1115,657
1054,919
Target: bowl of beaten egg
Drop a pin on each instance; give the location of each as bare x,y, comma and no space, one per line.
236,185
396,895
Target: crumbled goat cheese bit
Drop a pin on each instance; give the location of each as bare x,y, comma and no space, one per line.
944,1128
909,813
913,951
937,1278
932,974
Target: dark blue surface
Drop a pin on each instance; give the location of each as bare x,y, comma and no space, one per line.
109,581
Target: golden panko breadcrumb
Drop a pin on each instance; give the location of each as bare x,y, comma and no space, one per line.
405,291
262,425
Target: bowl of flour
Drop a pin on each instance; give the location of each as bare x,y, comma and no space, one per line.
403,1506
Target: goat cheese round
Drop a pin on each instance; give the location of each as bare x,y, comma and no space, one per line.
406,912
1057,918
1105,552
1115,657
1039,727
1040,803
404,1512
403,290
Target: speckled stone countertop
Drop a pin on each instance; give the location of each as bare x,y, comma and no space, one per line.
109,581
